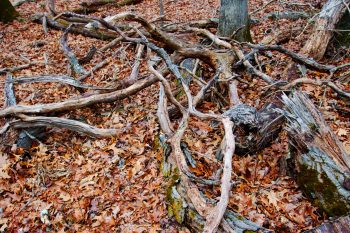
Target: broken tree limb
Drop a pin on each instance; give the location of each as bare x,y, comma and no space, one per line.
325,23
24,140
68,52
10,98
318,160
328,83
88,56
77,126
295,56
136,65
93,4
214,218
57,78
61,24
80,102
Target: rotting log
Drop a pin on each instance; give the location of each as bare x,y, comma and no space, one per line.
324,27
318,161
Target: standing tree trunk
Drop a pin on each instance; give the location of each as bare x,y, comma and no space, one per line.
234,20
7,11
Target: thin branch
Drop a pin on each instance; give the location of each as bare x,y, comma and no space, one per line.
73,60
318,83
296,57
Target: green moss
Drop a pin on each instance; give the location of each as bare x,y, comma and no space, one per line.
322,192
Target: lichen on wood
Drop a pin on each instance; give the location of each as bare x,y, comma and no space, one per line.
319,163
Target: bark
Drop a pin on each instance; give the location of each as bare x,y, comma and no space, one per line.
325,24
7,11
339,225
318,161
234,20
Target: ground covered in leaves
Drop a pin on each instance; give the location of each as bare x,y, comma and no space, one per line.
72,183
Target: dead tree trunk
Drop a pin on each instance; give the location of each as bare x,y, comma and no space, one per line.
318,160
339,225
325,24
234,20
7,11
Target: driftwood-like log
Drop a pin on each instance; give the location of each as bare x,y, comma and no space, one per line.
318,160
325,24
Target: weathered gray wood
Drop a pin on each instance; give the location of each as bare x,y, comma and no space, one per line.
317,160
25,137
340,225
234,20
324,27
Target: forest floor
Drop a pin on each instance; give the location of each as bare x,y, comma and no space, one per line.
73,183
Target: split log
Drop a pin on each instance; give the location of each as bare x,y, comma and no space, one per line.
318,161
325,24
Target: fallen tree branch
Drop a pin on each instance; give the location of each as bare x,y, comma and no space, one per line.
296,57
17,68
77,126
68,52
58,78
88,56
80,102
215,216
318,83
